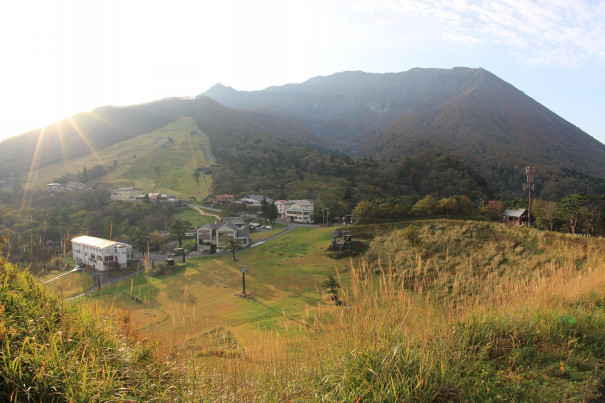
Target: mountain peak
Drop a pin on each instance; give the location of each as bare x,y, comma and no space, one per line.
218,89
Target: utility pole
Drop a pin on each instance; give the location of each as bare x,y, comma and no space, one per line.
529,186
244,270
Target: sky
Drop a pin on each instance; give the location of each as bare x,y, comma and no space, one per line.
61,57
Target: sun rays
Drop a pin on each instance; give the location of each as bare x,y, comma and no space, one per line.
61,139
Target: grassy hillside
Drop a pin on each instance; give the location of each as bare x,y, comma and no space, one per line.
162,160
433,315
285,276
463,311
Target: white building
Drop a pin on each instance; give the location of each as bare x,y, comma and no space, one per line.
100,254
256,200
300,211
125,193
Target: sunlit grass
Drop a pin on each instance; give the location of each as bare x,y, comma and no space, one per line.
400,334
533,337
156,165
200,295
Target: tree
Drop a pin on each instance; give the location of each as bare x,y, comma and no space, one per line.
493,209
463,206
233,246
363,212
446,205
179,229
569,209
272,212
333,287
593,210
545,213
425,207
230,209
264,208
139,238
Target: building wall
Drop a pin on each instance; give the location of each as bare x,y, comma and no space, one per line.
224,235
204,235
125,194
101,259
300,214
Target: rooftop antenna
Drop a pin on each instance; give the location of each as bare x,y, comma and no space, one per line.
529,186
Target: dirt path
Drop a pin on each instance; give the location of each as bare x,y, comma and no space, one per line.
202,212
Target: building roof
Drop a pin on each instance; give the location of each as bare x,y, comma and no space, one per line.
243,233
234,220
258,198
96,242
514,213
125,189
211,225
228,225
303,203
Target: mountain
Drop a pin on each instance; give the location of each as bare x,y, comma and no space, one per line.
91,132
479,130
468,113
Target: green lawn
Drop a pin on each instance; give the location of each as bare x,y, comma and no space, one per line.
195,218
285,275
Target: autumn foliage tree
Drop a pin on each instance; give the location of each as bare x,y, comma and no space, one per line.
493,209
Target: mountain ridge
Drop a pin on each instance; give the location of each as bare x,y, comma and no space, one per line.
467,113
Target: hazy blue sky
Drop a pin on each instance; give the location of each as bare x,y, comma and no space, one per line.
61,57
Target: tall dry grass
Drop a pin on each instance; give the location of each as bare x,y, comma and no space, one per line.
440,331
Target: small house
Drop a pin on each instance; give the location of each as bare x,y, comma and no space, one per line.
515,217
220,200
215,237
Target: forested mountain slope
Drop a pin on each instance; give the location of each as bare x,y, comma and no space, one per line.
468,113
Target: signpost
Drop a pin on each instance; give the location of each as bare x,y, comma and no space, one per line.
244,270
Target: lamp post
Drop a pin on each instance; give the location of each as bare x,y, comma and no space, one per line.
244,270
323,213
